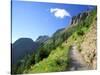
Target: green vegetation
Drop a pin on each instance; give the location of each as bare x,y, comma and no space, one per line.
56,61
53,55
23,64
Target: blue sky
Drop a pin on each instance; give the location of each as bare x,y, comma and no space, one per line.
32,19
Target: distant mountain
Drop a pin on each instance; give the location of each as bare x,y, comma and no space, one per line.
42,39
22,47
59,31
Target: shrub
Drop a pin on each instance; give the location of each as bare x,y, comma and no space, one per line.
80,32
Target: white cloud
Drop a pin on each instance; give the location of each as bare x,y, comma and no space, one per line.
59,13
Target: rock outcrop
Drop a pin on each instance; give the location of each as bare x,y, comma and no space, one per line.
79,17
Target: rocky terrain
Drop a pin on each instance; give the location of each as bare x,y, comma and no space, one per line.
89,50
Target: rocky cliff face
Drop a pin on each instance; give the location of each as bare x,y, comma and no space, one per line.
79,17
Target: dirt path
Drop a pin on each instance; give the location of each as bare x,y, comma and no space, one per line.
77,62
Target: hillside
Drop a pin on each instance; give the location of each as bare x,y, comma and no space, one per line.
77,43
21,47
42,39
88,46
83,56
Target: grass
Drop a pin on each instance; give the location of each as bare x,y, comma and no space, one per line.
56,61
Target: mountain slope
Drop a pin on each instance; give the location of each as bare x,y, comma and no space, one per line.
83,56
21,47
42,39
88,47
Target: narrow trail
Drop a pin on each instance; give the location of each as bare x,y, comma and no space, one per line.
77,62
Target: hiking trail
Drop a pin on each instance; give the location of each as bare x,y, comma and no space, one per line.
77,62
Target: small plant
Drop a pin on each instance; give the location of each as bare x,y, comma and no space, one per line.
80,32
